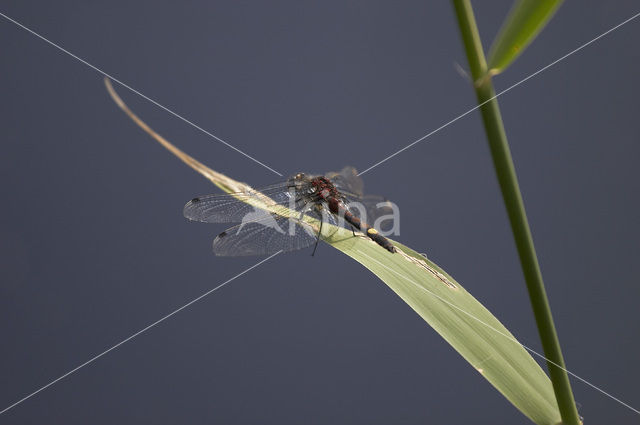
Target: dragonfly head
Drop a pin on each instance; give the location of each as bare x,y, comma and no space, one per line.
299,181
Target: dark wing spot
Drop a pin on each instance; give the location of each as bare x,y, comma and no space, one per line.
194,200
222,235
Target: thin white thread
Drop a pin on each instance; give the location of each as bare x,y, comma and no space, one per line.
501,93
138,93
135,335
501,333
271,169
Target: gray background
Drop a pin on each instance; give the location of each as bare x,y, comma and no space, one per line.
93,246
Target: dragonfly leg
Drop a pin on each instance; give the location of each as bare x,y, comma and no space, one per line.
303,211
299,202
317,239
353,230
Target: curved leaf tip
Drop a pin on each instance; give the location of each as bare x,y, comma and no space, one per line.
523,23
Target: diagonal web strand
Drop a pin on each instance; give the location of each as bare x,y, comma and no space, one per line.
91,360
95,68
500,333
464,114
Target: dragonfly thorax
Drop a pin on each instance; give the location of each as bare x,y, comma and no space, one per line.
325,188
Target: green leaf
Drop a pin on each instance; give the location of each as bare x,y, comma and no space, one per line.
463,322
458,317
525,20
508,181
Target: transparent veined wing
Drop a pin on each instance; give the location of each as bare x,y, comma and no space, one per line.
234,207
265,237
368,207
347,181
365,207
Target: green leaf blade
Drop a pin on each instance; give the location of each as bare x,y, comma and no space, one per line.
464,323
523,23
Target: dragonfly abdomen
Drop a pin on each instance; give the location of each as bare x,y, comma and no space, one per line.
370,231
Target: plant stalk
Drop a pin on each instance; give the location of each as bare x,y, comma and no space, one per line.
512,197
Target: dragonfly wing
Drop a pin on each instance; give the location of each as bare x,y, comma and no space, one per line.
347,180
366,207
264,237
232,208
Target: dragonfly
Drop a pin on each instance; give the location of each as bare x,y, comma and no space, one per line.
335,198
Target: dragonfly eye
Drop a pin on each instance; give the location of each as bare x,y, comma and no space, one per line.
299,176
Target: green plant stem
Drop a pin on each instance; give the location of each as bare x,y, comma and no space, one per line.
508,181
